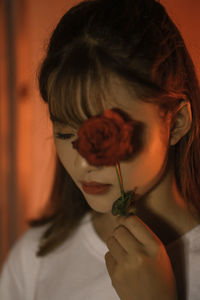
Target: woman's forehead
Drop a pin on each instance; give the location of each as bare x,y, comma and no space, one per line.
114,93
121,95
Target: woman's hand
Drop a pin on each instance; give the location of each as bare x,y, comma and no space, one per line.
138,264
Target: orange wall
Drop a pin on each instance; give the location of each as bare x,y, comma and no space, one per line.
186,16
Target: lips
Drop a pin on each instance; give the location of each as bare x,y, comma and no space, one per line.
94,183
95,187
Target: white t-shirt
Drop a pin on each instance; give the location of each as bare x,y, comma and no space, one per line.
77,271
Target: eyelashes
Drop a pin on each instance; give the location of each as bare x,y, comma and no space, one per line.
64,136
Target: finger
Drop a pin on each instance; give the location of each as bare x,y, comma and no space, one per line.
127,240
116,249
110,263
140,231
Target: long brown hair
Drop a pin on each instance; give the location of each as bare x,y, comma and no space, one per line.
138,42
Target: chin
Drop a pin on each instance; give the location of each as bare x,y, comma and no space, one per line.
101,209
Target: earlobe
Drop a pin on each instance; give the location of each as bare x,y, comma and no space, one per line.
182,122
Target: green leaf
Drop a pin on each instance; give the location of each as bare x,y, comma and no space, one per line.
121,207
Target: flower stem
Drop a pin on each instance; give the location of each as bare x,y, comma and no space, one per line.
119,176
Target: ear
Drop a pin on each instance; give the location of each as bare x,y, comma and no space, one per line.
181,123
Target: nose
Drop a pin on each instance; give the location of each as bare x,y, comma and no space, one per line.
82,164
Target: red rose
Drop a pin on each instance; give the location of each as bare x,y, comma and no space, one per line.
106,139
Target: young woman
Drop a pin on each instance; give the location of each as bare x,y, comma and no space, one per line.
124,54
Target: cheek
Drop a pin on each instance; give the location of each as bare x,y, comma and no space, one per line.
66,155
147,168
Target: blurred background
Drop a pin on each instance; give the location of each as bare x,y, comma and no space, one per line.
26,143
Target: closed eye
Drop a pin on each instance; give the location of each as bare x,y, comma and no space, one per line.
64,136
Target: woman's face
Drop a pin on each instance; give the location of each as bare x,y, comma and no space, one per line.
142,172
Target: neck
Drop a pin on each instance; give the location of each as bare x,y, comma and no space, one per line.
165,211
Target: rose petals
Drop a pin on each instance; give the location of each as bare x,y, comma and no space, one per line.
106,139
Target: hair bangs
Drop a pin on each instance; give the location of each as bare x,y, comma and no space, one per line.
76,96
